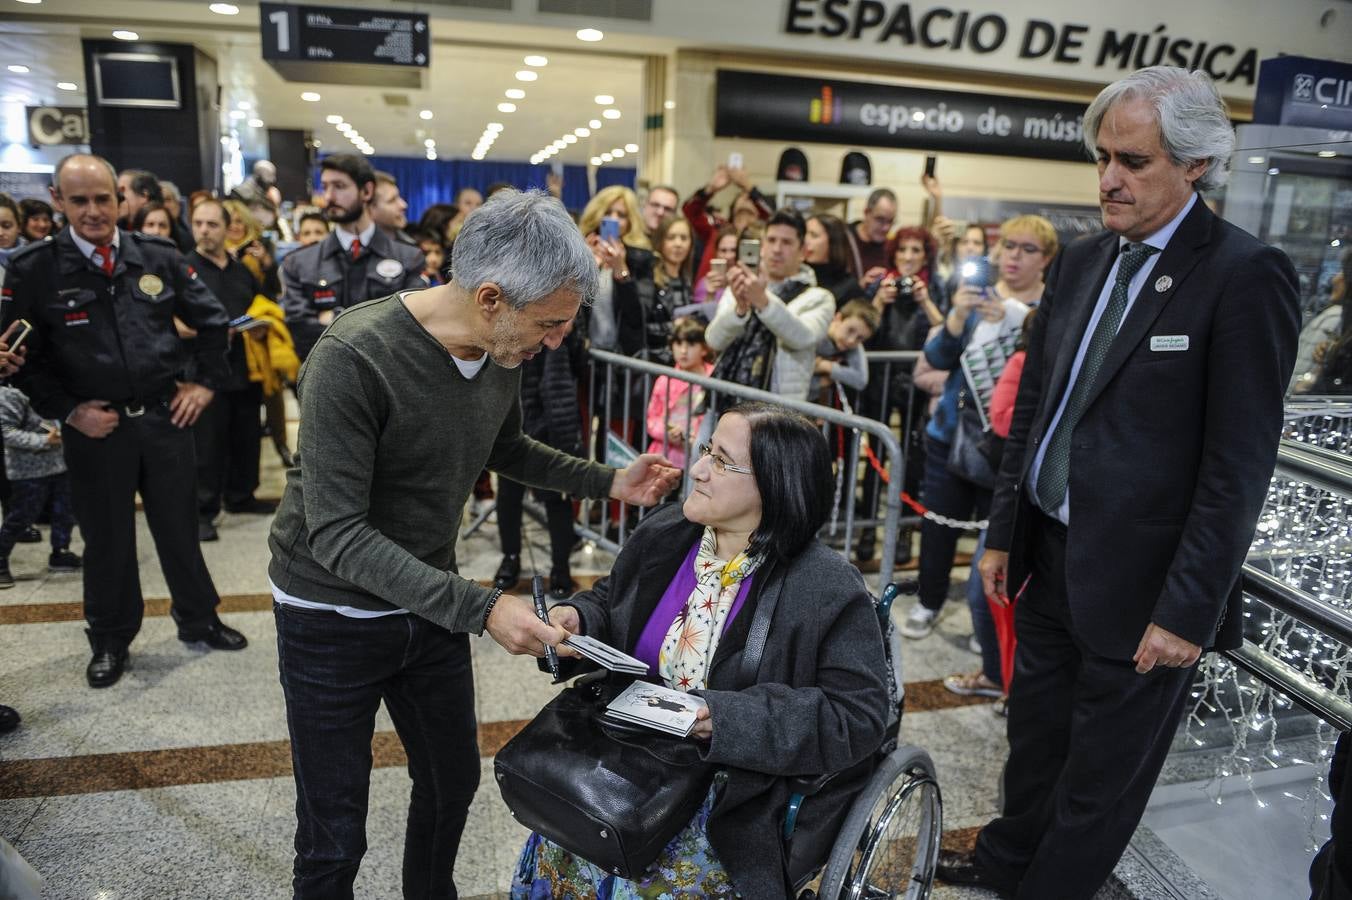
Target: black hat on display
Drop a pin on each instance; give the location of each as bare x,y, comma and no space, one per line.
792,165
856,169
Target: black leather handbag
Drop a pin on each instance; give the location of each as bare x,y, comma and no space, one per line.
611,793
967,455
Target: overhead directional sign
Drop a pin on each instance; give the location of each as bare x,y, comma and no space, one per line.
344,35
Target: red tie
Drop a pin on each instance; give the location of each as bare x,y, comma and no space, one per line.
356,248
105,255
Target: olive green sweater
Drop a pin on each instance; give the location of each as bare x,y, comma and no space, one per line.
392,438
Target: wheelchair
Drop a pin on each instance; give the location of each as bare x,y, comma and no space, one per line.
888,841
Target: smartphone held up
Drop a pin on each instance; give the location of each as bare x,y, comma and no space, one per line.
749,254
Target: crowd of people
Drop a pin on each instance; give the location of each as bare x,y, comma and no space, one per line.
224,298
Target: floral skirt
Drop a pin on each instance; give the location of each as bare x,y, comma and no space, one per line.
687,867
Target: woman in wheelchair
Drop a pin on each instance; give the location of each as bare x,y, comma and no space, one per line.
682,596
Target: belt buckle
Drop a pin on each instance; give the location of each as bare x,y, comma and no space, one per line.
135,410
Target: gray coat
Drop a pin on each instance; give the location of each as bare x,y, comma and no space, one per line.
27,453
820,701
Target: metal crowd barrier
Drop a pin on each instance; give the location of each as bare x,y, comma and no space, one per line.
619,391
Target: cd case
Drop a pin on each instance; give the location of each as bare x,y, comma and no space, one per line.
606,656
656,706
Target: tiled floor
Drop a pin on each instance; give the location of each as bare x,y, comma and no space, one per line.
175,782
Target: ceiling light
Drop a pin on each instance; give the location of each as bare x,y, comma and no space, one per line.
582,132
1327,154
224,9
515,94
590,35
537,61
237,114
429,143
126,35
507,107
1257,160
344,128
558,145
595,123
604,99
611,113
570,139
670,104
527,75
425,114
334,119
310,97
631,148
255,123
618,152
367,151
317,142
1274,171
431,154
493,126
606,157
477,155
244,104
18,70
596,160
32,2
67,86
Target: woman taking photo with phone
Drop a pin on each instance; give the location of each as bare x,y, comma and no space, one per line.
644,316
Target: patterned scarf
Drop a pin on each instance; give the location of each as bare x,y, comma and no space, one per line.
689,646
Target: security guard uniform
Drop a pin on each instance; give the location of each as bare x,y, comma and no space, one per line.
107,337
328,276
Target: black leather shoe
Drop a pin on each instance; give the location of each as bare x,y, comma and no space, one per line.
9,719
561,585
31,536
509,573
961,868
219,636
206,531
106,667
253,507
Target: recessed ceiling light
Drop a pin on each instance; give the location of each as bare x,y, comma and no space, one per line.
367,151
67,86
590,35
515,94
310,97
1257,160
670,104
570,139
255,123
237,114
244,104
317,142
224,9
618,152
429,143
493,126
537,61
611,113
596,160
595,123
126,35
582,132
604,99
425,114
345,128
1327,154
631,148
527,75
558,145
18,70
32,2
334,120
507,107
606,157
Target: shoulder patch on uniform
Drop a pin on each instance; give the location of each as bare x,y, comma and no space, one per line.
31,248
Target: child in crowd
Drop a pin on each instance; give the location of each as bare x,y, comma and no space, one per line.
434,251
671,418
37,477
840,355
312,229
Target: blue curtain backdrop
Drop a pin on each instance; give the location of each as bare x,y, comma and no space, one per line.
424,182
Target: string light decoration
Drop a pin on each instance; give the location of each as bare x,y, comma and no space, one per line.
1303,538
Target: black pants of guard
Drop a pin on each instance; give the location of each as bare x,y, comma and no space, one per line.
1087,739
1331,868
228,437
149,455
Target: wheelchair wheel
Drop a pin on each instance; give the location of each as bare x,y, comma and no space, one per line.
889,844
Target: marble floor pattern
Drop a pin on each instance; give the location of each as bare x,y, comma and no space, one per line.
176,782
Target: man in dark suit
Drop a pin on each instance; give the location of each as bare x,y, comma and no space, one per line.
1144,436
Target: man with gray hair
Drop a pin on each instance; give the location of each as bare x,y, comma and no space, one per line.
403,401
1143,440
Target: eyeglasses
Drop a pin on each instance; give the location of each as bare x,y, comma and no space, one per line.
1025,249
721,465
661,207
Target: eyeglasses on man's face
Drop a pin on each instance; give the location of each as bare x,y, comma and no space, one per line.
720,463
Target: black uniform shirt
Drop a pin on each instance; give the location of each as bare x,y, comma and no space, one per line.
235,287
97,337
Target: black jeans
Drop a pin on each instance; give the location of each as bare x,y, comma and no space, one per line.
335,670
228,437
558,511
28,498
1087,739
951,496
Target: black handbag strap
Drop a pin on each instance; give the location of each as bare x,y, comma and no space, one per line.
759,633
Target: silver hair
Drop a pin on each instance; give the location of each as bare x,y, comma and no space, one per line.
526,244
1194,122
171,190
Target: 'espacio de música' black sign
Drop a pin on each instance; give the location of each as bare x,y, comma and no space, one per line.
825,110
